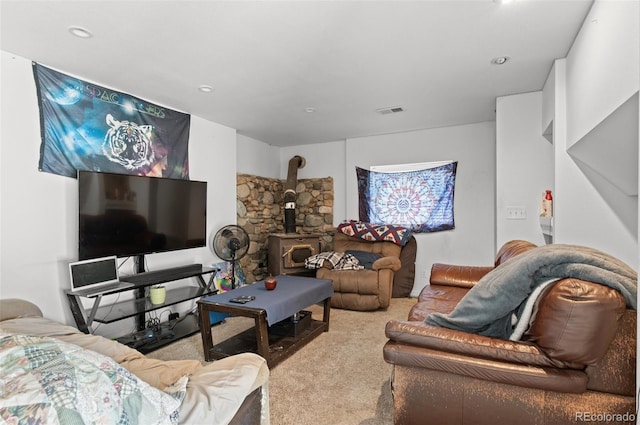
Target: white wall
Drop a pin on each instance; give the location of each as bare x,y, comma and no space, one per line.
39,210
38,213
602,65
602,71
581,95
589,210
257,158
472,241
525,166
597,145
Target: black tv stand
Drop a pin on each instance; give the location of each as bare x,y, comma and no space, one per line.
161,276
138,306
138,262
149,340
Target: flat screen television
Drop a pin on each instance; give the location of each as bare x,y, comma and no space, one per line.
129,215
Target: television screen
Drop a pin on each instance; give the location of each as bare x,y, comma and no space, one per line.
126,215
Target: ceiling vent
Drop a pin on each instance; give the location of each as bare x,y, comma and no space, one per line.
392,110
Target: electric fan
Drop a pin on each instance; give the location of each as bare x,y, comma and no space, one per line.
230,243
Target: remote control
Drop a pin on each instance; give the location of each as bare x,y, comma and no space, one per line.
243,299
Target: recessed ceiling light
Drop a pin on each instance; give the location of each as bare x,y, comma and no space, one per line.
310,109
503,1
501,60
205,88
80,32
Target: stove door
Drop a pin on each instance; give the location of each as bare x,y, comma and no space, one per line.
295,255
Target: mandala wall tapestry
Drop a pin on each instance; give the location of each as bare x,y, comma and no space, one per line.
421,200
88,127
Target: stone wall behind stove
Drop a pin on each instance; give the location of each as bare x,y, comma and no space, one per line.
260,211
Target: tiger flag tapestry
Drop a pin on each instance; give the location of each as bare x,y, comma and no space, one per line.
421,200
88,127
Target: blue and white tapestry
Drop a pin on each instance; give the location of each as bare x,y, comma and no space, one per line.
420,200
88,127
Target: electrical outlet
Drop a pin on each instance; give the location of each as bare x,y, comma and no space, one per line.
516,213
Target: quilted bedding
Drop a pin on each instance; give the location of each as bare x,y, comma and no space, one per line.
212,393
48,381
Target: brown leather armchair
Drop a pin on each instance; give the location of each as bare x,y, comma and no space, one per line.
368,289
575,363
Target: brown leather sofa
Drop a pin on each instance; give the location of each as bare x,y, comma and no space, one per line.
575,363
368,289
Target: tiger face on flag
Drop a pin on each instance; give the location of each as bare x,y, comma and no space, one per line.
93,128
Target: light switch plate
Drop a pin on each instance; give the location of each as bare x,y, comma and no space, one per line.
516,213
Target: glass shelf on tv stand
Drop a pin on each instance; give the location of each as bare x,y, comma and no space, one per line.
138,306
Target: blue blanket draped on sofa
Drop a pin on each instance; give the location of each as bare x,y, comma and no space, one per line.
488,307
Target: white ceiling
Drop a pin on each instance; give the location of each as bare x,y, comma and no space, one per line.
270,60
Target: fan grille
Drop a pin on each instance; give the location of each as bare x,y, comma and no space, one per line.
230,243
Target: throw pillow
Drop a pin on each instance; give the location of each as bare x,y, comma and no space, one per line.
366,259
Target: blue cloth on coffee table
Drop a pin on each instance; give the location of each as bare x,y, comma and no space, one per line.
292,294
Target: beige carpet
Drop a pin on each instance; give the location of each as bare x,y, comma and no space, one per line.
339,378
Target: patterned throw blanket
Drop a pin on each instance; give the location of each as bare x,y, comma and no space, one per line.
49,381
376,232
338,261
487,308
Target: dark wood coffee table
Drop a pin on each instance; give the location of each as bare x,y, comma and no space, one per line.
268,309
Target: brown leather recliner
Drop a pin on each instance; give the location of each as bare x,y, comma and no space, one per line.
576,362
368,289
